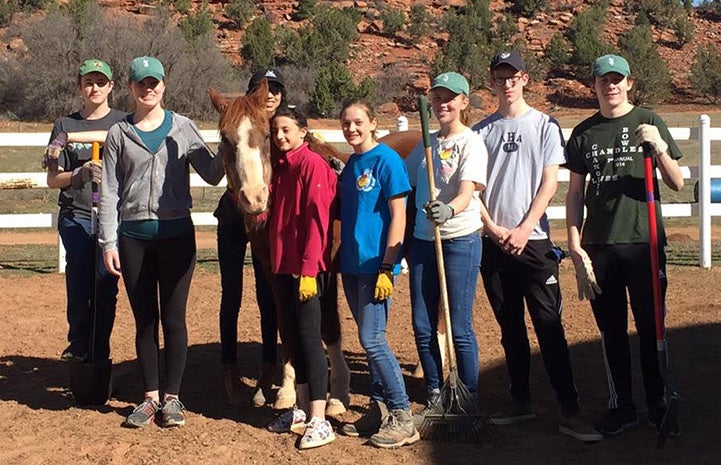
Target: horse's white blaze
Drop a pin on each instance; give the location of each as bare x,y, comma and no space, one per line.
253,189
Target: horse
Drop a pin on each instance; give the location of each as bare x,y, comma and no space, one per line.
246,152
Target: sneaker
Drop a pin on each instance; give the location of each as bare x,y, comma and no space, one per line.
292,421
519,411
143,415
369,423
655,419
398,430
317,433
617,420
74,353
431,407
173,412
577,428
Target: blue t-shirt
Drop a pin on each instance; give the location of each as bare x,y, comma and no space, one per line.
368,181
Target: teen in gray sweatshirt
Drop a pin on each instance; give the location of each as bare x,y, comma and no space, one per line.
145,226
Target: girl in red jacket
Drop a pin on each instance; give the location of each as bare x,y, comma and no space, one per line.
304,187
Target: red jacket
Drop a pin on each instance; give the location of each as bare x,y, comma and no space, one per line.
304,188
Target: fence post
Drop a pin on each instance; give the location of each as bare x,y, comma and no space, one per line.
402,123
704,191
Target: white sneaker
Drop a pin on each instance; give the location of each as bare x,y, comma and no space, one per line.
291,421
317,433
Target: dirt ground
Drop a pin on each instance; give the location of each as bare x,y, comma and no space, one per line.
41,424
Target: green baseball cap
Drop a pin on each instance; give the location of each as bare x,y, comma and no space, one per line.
142,67
611,64
96,66
453,82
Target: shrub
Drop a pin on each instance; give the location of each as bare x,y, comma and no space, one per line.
42,82
418,22
706,73
326,38
684,30
258,44
306,9
7,10
557,51
528,8
196,24
652,80
240,12
393,21
585,37
505,29
334,85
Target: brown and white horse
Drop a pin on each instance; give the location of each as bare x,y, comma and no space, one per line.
245,148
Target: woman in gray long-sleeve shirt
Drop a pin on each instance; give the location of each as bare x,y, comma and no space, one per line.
145,225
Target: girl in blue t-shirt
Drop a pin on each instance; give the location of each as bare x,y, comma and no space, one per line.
374,186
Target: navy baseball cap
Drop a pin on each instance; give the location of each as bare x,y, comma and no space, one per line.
271,74
511,58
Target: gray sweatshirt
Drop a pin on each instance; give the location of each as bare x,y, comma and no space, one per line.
140,185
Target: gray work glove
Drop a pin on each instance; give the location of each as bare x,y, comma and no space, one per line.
438,211
588,288
52,152
91,171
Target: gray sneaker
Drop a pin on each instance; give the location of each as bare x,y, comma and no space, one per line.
371,421
143,415
398,430
173,412
578,428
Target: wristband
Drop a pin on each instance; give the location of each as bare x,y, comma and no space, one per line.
453,210
385,267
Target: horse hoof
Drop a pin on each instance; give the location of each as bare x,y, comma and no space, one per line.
283,403
334,407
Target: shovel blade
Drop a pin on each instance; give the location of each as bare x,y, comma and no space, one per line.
90,381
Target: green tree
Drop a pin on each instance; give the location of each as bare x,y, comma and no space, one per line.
706,73
240,12
334,85
684,30
258,44
528,8
557,51
652,80
198,23
393,21
326,38
585,37
306,9
505,29
418,22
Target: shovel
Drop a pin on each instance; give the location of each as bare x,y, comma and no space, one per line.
670,422
90,380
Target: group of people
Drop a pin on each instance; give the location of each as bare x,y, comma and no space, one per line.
492,183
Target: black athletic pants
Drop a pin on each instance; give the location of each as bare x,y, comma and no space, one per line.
301,322
533,277
157,276
618,268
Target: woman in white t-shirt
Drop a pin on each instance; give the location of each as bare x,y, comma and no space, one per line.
459,163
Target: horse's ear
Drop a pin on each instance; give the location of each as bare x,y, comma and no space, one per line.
220,103
260,94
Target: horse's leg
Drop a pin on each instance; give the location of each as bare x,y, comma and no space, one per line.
339,397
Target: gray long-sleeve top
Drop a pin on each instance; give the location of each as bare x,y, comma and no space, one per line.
138,184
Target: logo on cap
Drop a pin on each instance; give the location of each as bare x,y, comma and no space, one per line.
270,73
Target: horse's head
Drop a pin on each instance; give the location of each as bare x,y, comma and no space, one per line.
244,130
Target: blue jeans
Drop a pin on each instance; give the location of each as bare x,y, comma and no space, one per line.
79,279
372,317
462,258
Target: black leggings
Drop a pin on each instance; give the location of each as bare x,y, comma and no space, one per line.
159,272
301,323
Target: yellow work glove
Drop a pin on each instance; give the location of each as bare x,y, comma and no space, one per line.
588,288
308,288
648,133
384,283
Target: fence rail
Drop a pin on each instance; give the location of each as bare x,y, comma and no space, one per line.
704,209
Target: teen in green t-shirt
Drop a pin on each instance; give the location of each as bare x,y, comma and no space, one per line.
611,254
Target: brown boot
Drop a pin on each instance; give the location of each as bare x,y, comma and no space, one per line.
231,380
263,392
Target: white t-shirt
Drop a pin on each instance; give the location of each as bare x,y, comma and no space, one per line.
518,151
460,158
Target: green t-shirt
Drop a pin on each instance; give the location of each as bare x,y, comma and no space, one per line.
615,199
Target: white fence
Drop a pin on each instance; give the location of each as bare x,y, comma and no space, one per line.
704,209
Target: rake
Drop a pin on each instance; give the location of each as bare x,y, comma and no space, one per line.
453,416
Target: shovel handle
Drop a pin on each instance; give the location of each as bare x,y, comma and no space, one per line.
445,307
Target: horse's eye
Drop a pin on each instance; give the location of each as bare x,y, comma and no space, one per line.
224,140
